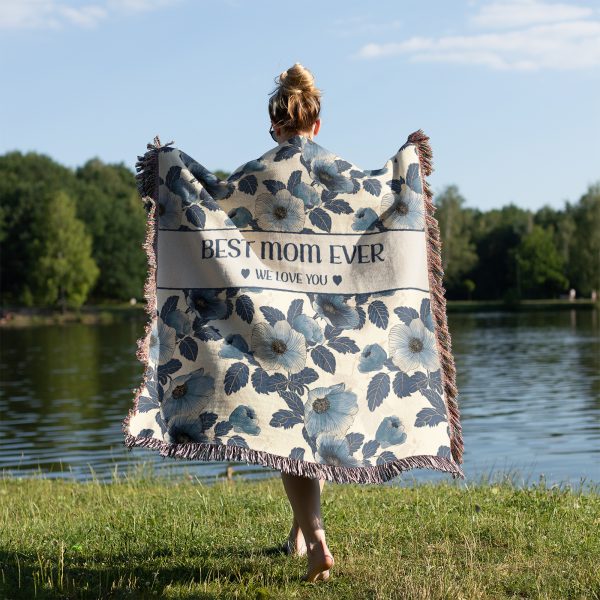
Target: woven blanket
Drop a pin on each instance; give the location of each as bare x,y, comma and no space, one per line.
297,317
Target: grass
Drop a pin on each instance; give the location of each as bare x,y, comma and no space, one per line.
147,536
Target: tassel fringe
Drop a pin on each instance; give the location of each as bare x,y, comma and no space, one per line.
438,299
205,451
147,185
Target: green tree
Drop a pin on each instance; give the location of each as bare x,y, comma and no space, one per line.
458,250
111,208
540,266
497,232
562,226
25,180
584,252
65,270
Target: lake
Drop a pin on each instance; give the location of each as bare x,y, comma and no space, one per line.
529,396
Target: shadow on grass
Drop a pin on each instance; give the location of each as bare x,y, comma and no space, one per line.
30,576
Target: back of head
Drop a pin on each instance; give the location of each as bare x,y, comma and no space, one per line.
295,104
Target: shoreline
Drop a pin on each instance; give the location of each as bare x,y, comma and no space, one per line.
103,314
93,314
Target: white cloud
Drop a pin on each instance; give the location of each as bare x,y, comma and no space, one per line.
55,14
519,13
552,36
86,16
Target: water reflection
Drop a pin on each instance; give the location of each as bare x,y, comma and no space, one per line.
529,388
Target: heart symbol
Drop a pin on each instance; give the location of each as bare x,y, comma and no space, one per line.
245,273
337,279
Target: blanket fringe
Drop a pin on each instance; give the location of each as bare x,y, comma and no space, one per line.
438,299
148,185
205,451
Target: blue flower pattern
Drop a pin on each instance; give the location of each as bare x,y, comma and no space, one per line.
353,377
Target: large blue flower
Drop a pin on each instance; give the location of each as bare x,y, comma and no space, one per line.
329,410
307,193
325,172
179,321
188,394
364,218
404,210
309,328
206,304
280,212
333,308
162,342
183,429
390,432
244,420
372,358
413,346
169,210
279,347
334,450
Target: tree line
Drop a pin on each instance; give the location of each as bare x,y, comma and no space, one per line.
514,253
74,236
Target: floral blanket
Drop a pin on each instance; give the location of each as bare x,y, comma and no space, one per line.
297,317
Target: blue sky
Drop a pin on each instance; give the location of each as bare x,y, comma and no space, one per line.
507,90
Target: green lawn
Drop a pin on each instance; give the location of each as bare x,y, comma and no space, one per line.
151,537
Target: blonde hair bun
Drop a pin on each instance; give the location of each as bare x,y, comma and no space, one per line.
298,80
295,103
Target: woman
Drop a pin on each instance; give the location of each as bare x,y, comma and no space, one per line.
294,109
357,349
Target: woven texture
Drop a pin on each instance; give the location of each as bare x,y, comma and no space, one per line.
297,317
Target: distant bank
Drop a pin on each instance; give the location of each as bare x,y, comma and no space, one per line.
90,314
110,313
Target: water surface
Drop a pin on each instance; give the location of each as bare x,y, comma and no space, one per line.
529,396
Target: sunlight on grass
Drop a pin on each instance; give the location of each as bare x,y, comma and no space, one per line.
144,535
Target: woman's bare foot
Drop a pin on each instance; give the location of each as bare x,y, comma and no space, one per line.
320,560
295,543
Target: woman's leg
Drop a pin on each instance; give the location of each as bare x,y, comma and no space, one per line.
295,536
305,497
